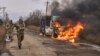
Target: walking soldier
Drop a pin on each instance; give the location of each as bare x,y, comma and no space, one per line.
9,30
20,32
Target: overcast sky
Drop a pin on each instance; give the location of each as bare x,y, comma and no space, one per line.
16,8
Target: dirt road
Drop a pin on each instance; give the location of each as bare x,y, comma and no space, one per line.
35,45
31,47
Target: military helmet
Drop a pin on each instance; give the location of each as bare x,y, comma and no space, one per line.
20,19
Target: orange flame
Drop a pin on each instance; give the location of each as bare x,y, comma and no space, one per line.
56,24
70,32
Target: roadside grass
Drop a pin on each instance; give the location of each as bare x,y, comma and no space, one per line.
1,39
2,33
33,28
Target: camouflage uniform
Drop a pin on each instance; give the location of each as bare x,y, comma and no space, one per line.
9,28
20,32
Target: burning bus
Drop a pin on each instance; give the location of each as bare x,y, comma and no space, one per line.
63,28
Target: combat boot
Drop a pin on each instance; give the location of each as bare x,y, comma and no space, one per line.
19,46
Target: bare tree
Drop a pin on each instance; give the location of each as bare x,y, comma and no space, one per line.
33,18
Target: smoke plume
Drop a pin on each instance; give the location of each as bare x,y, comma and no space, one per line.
87,11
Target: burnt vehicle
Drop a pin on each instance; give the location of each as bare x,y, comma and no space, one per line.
46,24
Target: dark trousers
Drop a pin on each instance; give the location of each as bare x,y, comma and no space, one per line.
20,39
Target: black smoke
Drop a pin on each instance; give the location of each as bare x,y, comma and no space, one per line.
87,11
74,8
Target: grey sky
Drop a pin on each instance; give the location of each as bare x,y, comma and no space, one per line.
16,8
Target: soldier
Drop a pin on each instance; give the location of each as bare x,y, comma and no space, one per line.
9,29
20,32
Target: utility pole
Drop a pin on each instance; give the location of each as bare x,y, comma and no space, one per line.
3,12
47,7
46,16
